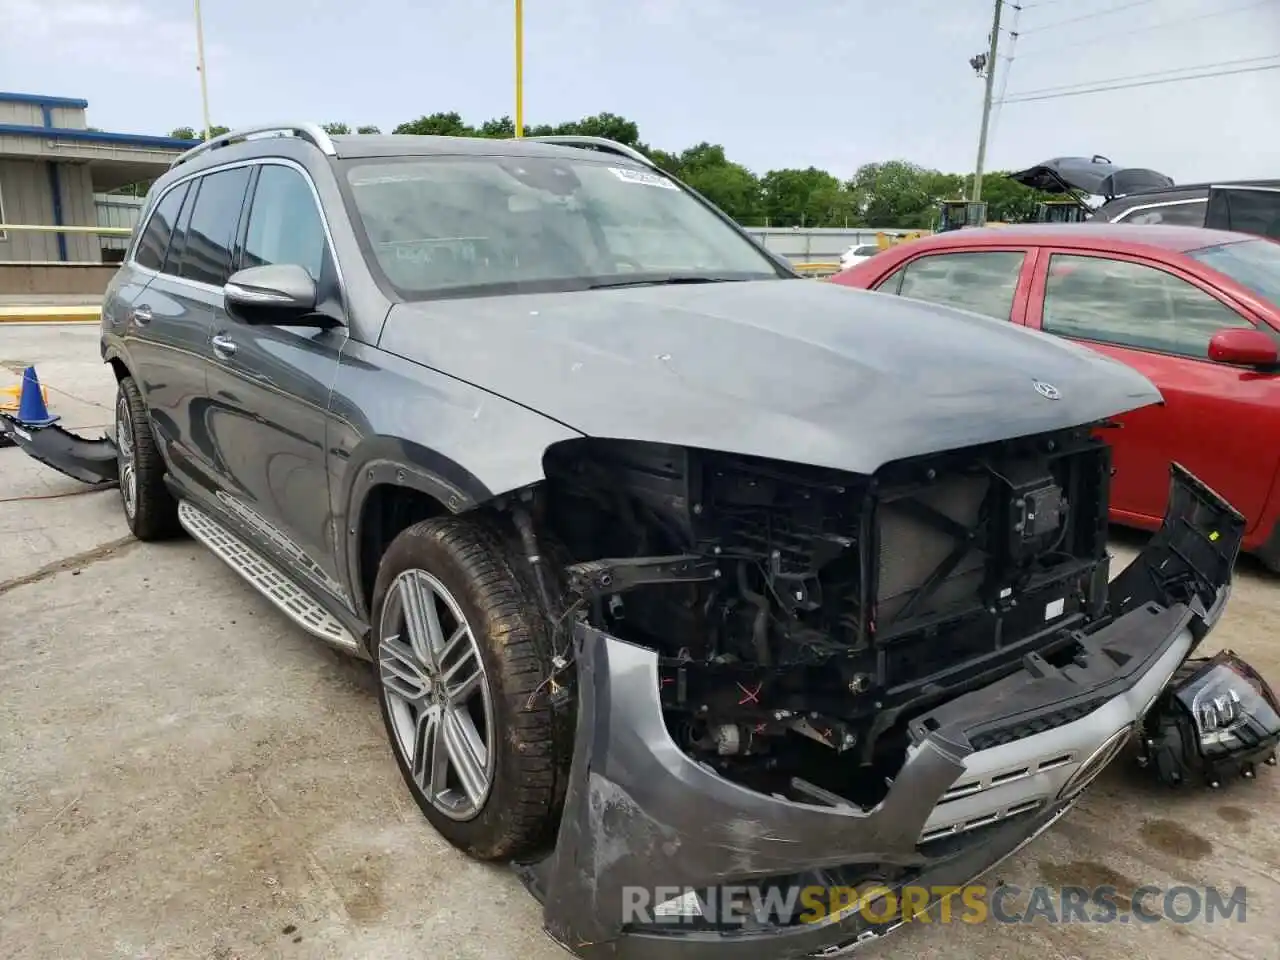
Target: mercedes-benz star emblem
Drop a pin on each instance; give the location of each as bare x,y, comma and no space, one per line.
1047,390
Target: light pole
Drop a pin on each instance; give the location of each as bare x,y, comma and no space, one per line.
519,68
204,83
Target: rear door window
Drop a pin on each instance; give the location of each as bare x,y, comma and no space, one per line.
1131,305
173,259
1178,214
154,242
206,256
983,282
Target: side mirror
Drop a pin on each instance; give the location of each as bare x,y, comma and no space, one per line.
281,293
1244,347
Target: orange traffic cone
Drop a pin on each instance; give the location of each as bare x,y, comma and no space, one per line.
32,410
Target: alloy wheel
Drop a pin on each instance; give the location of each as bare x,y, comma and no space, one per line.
437,694
126,456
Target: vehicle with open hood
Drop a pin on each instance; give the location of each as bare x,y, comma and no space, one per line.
676,570
1142,196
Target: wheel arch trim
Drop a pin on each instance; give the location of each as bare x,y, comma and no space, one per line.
396,462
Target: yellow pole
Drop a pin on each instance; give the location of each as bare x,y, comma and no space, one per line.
519,68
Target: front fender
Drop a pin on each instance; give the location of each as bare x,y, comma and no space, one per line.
393,421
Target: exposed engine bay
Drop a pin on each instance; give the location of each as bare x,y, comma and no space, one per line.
802,613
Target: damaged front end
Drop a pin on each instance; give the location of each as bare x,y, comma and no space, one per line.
789,678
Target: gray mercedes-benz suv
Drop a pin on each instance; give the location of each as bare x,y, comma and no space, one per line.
677,571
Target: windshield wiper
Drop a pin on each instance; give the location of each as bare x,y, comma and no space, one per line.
661,281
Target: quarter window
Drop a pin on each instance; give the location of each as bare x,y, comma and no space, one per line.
1131,305
982,282
284,223
154,242
206,256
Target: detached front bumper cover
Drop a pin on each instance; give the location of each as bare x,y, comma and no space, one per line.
984,774
89,461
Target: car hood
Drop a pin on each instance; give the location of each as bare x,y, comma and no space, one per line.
796,370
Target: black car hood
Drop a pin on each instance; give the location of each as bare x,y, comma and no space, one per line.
797,370
1095,176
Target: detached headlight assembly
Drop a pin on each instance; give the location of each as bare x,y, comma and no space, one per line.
1217,719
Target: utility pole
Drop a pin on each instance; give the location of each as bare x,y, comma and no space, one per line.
986,101
204,83
519,68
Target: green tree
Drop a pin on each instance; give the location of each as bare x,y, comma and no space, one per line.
437,125
368,129
335,129
802,198
503,128
730,186
187,133
1009,201
899,194
608,125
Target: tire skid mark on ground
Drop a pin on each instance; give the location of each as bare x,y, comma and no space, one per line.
75,562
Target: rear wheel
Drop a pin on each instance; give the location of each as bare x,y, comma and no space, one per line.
149,508
460,655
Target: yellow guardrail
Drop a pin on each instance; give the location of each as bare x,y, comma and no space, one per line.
70,313
817,269
50,228
88,313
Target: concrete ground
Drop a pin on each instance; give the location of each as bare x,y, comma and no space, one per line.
184,774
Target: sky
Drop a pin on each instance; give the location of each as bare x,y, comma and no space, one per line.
826,83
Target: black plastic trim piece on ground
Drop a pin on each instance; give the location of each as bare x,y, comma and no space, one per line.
90,461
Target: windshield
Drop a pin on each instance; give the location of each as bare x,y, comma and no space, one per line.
476,225
1251,263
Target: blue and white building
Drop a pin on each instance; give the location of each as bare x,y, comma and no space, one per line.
52,166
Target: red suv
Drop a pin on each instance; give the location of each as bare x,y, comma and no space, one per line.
1197,311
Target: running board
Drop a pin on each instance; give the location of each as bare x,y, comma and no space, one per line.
266,578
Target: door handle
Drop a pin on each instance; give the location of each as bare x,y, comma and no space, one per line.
141,315
223,346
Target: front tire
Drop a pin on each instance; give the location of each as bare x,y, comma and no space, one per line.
460,654
149,508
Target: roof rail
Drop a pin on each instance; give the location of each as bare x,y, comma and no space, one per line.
311,132
602,144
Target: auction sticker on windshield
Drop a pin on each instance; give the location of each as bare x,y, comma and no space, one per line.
640,176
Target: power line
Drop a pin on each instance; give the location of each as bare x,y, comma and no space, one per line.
1095,41
1090,16
1143,83
1019,94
